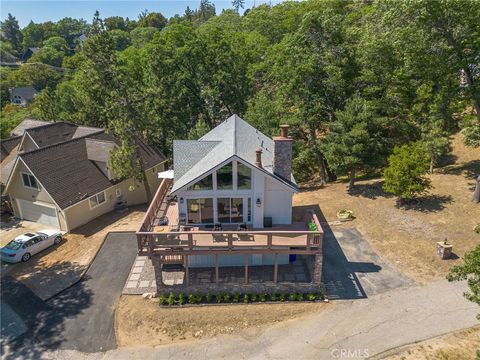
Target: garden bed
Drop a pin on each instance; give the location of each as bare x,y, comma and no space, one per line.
172,300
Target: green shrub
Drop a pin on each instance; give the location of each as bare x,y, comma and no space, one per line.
282,297
476,229
273,297
171,299
191,299
300,297
208,297
198,298
311,297
227,297
320,295
236,297
219,297
254,297
292,296
262,297
181,298
245,298
162,299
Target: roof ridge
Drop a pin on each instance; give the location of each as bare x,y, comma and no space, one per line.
61,143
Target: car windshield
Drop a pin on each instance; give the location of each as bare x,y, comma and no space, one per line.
13,245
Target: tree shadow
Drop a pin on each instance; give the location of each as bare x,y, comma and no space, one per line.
429,203
370,191
470,169
339,275
100,223
45,321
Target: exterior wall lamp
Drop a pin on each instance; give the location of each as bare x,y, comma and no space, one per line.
259,202
181,200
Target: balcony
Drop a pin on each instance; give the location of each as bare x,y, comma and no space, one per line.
172,241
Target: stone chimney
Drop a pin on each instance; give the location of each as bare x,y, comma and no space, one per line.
258,160
282,153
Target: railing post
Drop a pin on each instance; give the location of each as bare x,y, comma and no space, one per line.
230,241
150,241
216,269
269,240
187,273
190,241
275,269
246,269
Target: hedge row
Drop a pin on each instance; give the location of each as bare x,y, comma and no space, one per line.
228,298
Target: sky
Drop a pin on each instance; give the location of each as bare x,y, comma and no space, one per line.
41,11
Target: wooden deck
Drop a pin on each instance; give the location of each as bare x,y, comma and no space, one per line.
156,239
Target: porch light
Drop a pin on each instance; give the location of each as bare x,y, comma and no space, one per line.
181,200
259,202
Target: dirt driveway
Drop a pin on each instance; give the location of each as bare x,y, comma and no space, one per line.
58,267
11,229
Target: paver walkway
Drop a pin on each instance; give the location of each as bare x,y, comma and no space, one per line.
369,326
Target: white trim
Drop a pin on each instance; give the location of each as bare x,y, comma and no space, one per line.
11,176
26,186
98,204
25,133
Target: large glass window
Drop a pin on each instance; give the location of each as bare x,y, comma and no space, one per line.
200,211
244,177
230,210
204,184
225,177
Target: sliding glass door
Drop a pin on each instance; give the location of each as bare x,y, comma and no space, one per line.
231,210
200,211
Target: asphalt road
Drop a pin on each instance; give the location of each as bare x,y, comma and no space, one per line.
82,317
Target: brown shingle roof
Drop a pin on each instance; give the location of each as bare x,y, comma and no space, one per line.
69,176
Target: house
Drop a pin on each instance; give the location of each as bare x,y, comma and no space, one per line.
234,174
29,53
22,95
26,124
59,175
233,189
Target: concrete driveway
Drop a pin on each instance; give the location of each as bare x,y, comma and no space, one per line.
81,317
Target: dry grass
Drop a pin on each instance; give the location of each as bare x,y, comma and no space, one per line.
60,266
140,321
406,237
461,345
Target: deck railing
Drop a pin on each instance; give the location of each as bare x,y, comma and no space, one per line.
199,242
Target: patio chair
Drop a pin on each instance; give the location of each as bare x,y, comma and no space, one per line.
217,227
242,227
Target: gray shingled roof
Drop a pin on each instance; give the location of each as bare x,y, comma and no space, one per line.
233,137
27,124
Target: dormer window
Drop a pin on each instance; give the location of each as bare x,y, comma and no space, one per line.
29,181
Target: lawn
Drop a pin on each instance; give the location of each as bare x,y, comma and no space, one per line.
406,238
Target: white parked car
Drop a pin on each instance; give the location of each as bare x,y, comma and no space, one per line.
23,247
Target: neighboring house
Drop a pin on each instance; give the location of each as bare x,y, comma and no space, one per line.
81,39
29,53
230,206
234,174
60,175
22,95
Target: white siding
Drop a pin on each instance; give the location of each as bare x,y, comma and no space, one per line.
196,261
278,202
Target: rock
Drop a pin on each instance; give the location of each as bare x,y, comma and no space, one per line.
147,295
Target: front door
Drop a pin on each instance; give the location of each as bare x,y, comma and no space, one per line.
234,210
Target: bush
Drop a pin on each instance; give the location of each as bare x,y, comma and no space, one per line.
292,296
262,297
162,299
476,229
405,174
192,299
227,297
181,299
321,295
171,299
198,298
236,297
311,297
219,297
282,297
273,297
245,298
254,297
300,297
208,297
